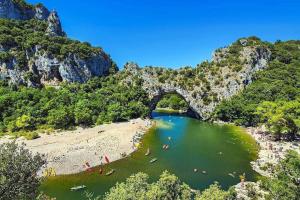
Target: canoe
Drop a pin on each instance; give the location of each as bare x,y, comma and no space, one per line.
153,160
110,172
148,152
80,187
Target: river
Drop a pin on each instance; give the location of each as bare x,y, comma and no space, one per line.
217,150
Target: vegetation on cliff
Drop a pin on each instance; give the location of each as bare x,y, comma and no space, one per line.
23,4
100,100
279,83
19,37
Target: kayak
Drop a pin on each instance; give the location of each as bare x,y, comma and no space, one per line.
80,187
148,152
110,172
153,160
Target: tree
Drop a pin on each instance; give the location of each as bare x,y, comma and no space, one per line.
60,118
285,185
214,192
24,122
83,114
136,187
18,172
169,187
116,112
281,118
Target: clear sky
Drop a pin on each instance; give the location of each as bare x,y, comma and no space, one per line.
174,33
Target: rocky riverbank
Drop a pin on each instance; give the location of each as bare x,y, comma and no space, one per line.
271,152
68,152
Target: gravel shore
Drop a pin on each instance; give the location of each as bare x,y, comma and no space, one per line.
68,152
271,152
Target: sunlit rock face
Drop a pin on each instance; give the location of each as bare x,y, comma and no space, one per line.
222,85
54,25
42,67
9,9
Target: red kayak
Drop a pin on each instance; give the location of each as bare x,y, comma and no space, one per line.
106,159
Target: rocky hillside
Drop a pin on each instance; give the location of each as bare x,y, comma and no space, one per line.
20,10
34,50
205,86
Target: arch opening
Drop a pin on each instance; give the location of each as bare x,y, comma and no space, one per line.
172,102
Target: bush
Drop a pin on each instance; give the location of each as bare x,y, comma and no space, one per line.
285,184
18,172
168,187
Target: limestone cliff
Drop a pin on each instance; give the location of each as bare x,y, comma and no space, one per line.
45,69
35,51
20,10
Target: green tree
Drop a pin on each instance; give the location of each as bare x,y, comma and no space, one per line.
83,114
169,187
137,187
24,122
281,118
18,172
60,118
285,185
214,192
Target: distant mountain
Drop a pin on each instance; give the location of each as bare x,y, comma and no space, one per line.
34,49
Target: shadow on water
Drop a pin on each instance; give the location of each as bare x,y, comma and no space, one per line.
218,150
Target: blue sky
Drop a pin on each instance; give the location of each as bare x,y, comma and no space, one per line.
174,33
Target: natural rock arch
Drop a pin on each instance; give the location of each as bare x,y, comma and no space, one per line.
203,97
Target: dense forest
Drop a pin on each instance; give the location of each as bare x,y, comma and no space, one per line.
274,96
100,100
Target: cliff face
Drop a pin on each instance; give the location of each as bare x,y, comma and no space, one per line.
45,69
54,25
36,55
203,88
15,10
20,10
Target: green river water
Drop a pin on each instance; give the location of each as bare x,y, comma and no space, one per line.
194,144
